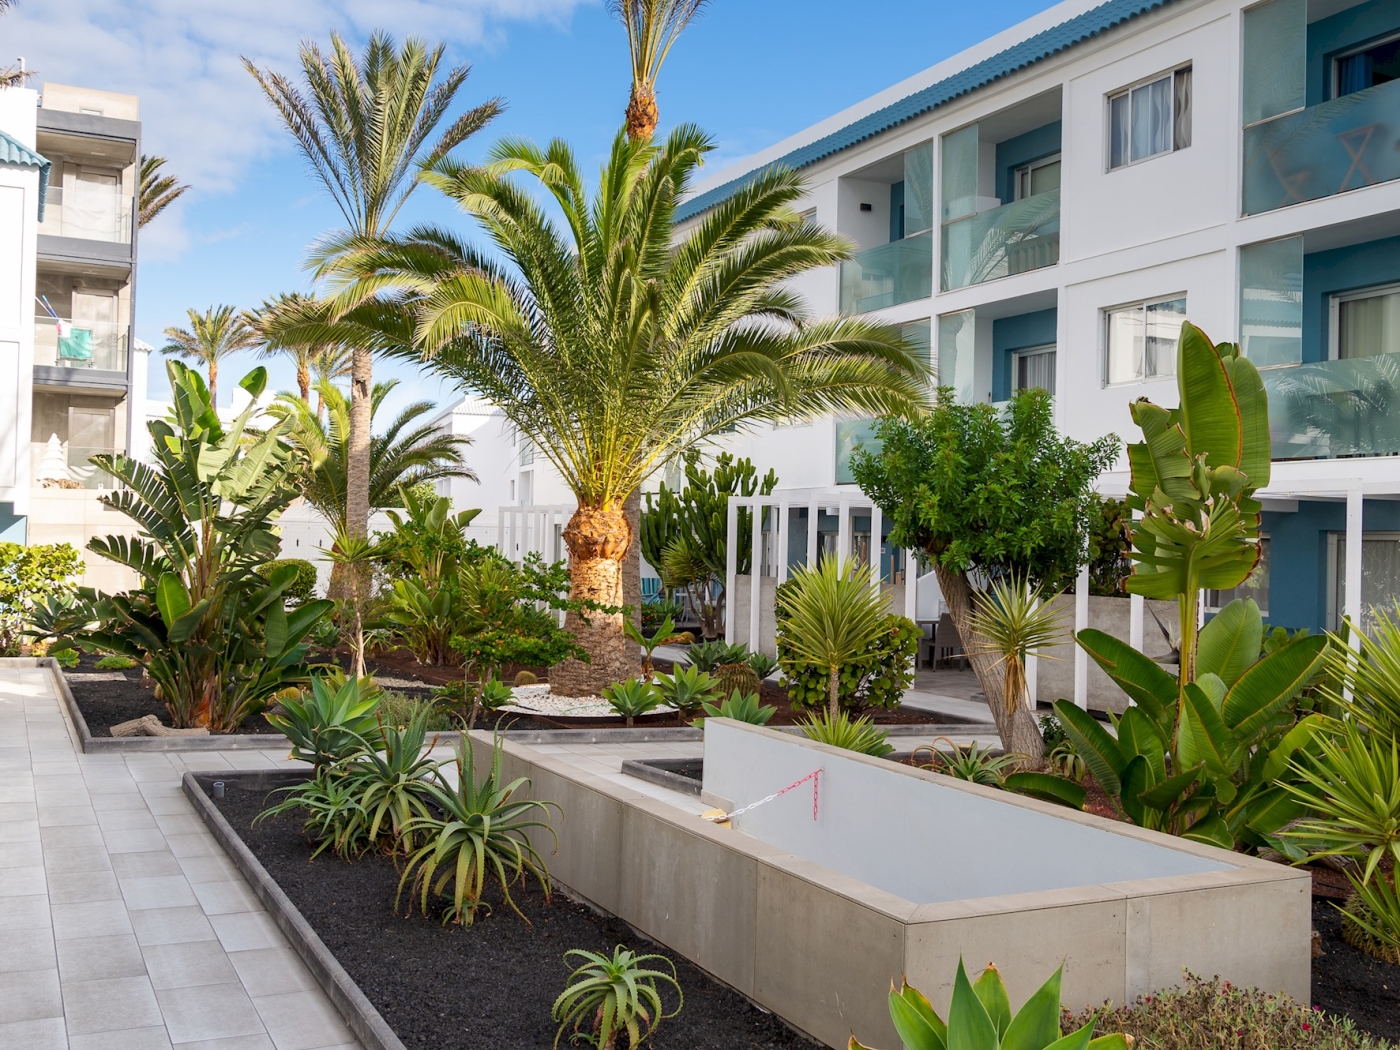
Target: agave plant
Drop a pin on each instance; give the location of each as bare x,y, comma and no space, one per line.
853,734
972,763
707,656
480,832
980,1018
763,665
687,689
742,708
632,699
332,723
615,995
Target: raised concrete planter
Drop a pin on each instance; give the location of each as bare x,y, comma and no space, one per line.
903,872
1055,674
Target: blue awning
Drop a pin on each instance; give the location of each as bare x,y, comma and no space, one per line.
21,156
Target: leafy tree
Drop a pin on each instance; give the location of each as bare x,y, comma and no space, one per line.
157,191
1110,544
29,576
614,343
213,335
685,533
987,493
366,127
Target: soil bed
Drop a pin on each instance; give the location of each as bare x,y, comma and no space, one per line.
1348,982
491,984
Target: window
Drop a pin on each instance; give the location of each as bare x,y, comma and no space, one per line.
1380,575
1034,369
1256,586
1377,63
1366,323
1040,176
1150,119
1141,339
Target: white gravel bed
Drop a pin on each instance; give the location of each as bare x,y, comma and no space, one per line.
538,700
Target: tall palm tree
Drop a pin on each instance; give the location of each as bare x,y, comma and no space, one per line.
366,128
314,361
613,345
652,27
12,76
213,335
406,453
157,191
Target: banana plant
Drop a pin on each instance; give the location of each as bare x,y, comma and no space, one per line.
1204,760
1194,476
213,635
980,1018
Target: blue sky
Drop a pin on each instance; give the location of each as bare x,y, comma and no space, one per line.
750,72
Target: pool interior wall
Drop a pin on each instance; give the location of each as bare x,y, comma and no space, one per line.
922,841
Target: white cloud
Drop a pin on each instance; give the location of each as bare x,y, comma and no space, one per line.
199,107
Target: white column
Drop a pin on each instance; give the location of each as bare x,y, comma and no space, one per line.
1351,597
814,511
780,549
877,522
1081,621
501,531
1137,607
843,534
731,562
911,586
756,579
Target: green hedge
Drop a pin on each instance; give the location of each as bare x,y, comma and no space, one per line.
303,588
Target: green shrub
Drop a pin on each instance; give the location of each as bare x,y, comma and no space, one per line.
1207,1015
303,586
653,613
398,709
972,763
853,734
763,665
41,574
115,663
615,995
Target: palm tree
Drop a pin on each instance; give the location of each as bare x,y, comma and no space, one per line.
12,76
319,362
405,454
157,192
364,127
613,344
652,27
217,333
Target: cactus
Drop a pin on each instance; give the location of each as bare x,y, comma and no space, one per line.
738,677
525,678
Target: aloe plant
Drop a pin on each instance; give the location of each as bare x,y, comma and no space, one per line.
980,1018
615,995
843,731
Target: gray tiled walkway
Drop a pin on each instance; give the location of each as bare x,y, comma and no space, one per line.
122,924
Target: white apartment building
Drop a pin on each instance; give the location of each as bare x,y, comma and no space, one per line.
69,388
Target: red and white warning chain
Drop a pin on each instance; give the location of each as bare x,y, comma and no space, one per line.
720,818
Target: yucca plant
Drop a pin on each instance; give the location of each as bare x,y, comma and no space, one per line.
687,689
632,699
615,995
980,1018
1366,680
480,833
830,616
332,723
853,734
1015,619
742,708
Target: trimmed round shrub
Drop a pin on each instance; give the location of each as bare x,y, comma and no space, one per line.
303,588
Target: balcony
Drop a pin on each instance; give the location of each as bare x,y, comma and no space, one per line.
1344,144
56,464
92,216
1335,409
894,273
1014,238
98,345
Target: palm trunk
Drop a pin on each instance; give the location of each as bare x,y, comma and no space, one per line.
1017,728
833,690
632,560
642,113
597,539
214,383
304,382
357,453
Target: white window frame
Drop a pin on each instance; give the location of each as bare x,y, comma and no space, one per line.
1032,351
1340,57
1334,312
1104,315
1026,169
1168,75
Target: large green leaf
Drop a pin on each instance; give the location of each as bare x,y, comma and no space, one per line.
1076,1040
1202,736
1167,793
991,989
1037,1024
1256,443
1260,692
1046,787
1145,682
1229,644
1298,736
172,599
1211,830
1093,743
1271,811
184,627
1209,411
970,1027
1137,779
919,1027
1139,735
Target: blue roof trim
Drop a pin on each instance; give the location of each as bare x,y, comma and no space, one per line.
18,154
1028,52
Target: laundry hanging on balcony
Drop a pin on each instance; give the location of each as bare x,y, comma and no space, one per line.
74,343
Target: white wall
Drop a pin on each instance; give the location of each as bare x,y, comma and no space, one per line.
19,223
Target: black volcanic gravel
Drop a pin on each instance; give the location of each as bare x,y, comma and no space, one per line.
491,984
1351,983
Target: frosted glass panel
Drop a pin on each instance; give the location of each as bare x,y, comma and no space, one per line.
918,189
1369,326
1275,58
960,173
920,335
957,354
1271,302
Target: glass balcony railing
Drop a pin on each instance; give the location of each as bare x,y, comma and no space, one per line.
92,216
1335,409
1341,145
1015,238
56,464
79,344
894,273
